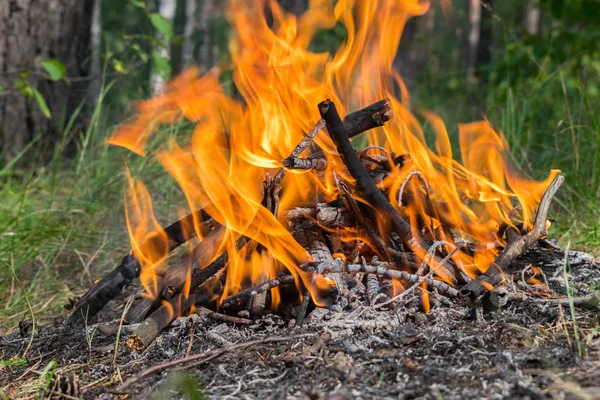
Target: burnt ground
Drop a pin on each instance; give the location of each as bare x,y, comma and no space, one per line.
531,348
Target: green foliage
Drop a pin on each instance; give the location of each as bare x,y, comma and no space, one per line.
181,385
46,377
24,87
162,25
14,364
55,69
161,65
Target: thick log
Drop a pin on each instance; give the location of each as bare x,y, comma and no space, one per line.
165,314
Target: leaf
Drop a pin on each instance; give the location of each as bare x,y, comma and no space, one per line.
24,88
161,65
118,66
41,103
55,69
1,89
162,24
138,3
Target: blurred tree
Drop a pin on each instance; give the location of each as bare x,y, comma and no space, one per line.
163,21
42,43
478,38
533,14
95,43
206,53
187,51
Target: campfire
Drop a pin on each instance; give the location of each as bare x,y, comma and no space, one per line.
314,186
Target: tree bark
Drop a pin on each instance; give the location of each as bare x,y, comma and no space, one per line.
533,15
473,12
206,53
95,43
187,51
484,51
166,9
31,30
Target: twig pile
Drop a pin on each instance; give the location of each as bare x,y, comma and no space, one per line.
415,258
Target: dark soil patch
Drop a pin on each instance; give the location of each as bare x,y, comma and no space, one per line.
528,349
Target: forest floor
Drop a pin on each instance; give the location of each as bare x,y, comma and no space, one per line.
531,348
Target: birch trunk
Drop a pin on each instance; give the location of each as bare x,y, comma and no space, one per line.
533,15
473,12
206,53
187,51
166,9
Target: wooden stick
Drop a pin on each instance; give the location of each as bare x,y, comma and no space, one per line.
205,356
514,248
303,309
246,294
164,315
203,311
371,193
373,116
382,270
110,285
355,123
140,309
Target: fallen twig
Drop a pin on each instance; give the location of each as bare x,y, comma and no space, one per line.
204,356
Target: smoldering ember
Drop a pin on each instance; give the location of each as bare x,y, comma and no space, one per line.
335,245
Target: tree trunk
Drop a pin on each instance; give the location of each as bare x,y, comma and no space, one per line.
187,51
31,30
484,51
95,43
206,53
473,12
479,37
415,48
533,15
166,9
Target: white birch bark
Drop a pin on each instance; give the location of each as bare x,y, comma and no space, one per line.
166,8
532,18
473,32
187,51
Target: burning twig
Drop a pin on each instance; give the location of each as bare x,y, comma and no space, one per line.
246,294
382,270
315,164
369,190
163,316
323,214
110,285
514,248
421,178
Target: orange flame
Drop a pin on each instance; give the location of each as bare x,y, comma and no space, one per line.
281,81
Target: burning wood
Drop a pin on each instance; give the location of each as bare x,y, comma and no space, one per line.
331,226
412,252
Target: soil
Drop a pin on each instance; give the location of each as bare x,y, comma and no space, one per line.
531,348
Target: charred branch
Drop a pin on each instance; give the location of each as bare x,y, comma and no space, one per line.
516,246
110,285
369,190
